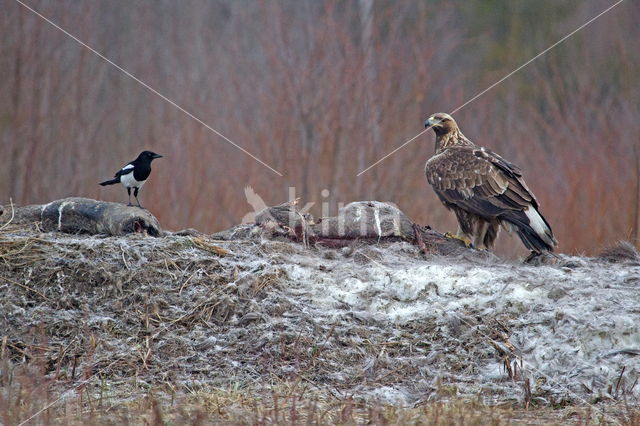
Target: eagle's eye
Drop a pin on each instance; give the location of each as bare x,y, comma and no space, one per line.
444,119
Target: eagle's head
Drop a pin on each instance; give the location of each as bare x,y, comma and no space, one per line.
441,123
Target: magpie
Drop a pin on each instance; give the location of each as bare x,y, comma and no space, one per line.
134,174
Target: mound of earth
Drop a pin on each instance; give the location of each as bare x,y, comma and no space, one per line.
394,312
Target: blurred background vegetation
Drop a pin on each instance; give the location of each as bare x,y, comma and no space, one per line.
319,90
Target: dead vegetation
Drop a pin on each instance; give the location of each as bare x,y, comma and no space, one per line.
623,251
243,406
170,327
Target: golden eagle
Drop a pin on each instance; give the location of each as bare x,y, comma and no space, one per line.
484,190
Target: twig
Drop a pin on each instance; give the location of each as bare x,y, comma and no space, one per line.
305,238
187,280
331,391
29,288
13,212
619,380
68,392
526,386
419,240
124,259
20,250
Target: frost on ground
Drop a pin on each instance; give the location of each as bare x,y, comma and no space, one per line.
376,319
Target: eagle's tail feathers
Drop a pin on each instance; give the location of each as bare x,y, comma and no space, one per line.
110,182
533,230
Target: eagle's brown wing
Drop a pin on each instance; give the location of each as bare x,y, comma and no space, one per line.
479,180
482,183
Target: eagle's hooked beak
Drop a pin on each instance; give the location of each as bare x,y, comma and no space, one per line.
429,123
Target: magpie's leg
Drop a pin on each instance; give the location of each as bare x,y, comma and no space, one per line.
135,194
129,192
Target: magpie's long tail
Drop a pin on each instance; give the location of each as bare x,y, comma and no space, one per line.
110,182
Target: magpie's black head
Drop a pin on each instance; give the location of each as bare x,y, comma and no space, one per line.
149,156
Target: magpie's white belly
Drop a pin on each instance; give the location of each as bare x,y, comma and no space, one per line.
128,181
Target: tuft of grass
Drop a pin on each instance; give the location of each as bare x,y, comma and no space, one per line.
22,403
30,396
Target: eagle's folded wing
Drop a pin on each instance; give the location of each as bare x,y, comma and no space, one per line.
479,181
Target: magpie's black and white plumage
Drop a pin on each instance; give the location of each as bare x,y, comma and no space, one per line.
134,174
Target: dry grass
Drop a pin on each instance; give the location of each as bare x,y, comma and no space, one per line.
26,396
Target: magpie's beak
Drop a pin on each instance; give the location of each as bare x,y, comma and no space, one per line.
157,156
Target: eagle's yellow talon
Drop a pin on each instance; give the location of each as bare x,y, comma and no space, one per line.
466,241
